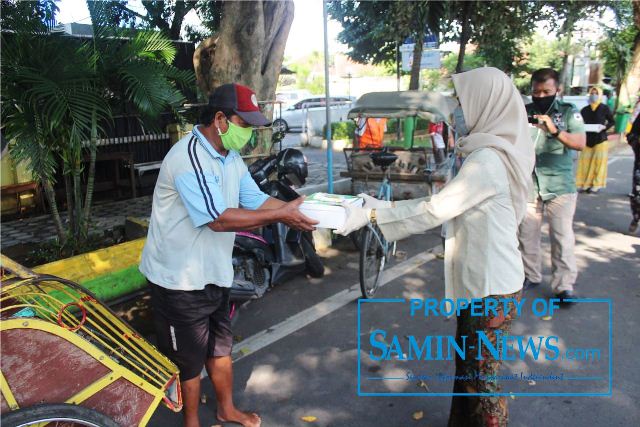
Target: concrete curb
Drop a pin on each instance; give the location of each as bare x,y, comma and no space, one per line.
108,272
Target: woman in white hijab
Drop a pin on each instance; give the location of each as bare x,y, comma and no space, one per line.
482,208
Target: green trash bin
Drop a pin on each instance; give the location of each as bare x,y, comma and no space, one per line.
622,118
409,126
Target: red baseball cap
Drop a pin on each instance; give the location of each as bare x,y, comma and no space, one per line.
241,100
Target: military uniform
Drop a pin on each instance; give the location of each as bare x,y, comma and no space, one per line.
555,196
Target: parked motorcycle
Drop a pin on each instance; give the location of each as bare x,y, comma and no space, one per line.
276,253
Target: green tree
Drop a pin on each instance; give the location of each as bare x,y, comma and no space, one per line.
568,13
57,92
374,29
621,50
36,16
168,16
366,30
471,61
538,52
623,47
50,99
495,27
417,19
306,78
240,41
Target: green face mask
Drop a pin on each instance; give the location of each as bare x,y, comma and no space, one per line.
235,137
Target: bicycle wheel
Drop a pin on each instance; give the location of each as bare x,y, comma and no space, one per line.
373,256
59,414
356,238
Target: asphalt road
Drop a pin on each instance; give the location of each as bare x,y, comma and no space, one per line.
297,353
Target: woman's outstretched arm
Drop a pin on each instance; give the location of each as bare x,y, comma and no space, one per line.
474,184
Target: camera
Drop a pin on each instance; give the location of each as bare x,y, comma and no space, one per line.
533,120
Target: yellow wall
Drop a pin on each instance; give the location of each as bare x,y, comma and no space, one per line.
7,171
11,174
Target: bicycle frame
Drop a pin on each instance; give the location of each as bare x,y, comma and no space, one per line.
385,192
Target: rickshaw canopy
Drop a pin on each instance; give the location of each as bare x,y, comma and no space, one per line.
428,105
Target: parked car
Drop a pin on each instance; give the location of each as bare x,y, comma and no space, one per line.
290,97
293,117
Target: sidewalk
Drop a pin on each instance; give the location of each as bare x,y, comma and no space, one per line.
109,215
105,216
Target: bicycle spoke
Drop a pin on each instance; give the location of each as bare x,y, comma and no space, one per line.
372,260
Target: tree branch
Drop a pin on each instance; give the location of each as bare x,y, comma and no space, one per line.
181,10
132,12
155,10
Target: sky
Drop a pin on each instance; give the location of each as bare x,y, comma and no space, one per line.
305,36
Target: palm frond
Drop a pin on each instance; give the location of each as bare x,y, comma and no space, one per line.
151,45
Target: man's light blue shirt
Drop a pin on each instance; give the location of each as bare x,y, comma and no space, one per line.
195,186
200,191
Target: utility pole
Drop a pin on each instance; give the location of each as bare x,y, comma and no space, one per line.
328,101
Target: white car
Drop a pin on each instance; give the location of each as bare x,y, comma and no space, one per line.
293,117
290,97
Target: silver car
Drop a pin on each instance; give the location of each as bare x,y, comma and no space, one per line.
294,117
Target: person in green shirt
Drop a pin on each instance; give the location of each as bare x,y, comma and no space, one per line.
557,132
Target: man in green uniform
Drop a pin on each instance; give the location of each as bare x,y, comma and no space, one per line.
558,131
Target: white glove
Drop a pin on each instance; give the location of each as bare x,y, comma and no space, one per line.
373,203
357,218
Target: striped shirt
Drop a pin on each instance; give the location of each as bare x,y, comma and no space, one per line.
196,184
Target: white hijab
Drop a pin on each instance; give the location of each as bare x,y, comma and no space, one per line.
496,118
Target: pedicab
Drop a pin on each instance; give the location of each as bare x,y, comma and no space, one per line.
67,359
395,173
415,173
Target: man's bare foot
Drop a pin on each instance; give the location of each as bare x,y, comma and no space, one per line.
246,419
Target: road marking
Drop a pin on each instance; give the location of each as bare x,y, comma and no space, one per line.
298,321
614,159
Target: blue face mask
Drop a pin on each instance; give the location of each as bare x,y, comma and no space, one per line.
459,125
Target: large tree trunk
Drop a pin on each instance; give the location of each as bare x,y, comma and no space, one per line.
465,34
631,84
414,83
248,49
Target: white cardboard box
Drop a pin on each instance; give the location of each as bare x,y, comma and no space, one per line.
592,128
327,209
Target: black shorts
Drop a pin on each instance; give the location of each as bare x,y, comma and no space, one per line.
192,326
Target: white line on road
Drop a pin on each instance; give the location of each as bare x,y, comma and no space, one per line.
305,317
612,160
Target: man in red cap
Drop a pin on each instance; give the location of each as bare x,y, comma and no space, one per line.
204,194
